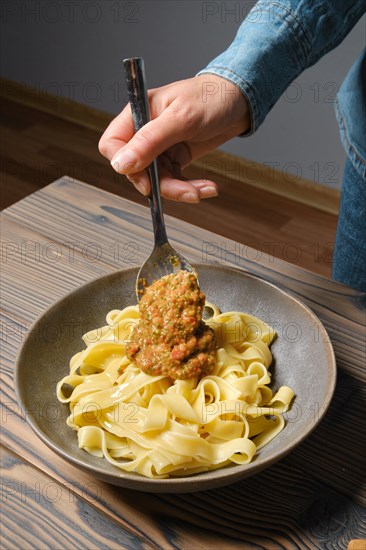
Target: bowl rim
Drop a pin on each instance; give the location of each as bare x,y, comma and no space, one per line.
216,478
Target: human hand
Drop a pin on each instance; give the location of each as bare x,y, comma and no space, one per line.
188,119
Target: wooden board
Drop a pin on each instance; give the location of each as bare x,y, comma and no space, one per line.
70,233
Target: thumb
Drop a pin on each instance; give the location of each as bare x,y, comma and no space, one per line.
171,127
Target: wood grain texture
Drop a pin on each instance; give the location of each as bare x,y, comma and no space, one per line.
284,507
69,233
47,147
40,513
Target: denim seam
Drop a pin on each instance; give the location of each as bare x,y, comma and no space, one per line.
292,14
352,15
345,139
293,24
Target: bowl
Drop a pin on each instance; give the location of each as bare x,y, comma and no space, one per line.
303,359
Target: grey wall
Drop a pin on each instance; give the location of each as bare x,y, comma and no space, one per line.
75,47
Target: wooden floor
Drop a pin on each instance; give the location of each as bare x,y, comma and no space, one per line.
38,148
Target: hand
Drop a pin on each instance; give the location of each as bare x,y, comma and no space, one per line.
189,118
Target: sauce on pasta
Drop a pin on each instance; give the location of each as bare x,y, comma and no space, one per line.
159,427
171,339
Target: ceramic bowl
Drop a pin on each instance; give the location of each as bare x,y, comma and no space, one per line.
303,360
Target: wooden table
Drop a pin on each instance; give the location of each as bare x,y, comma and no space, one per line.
69,233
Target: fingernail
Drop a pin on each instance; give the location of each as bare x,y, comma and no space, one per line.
189,197
140,186
208,192
123,161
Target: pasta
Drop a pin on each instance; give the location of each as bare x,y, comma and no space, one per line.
159,427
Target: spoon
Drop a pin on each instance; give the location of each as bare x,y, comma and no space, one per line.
163,260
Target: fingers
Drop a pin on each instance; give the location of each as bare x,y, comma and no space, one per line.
165,136
141,182
154,138
175,189
118,133
207,189
130,153
173,185
191,192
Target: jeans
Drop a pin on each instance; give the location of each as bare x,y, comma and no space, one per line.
275,43
349,258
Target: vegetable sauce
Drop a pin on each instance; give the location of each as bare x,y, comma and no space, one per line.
171,339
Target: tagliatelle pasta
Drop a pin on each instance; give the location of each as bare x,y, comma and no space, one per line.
160,427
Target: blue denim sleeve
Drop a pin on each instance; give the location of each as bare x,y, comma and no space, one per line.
277,41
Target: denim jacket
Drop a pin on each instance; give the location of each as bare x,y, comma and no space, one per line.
277,41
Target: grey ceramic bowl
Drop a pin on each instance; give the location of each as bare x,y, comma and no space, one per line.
303,360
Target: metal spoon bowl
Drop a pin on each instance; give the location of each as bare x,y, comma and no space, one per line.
163,260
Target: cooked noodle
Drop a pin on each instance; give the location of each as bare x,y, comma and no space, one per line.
158,427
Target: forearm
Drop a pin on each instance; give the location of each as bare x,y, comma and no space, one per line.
277,42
